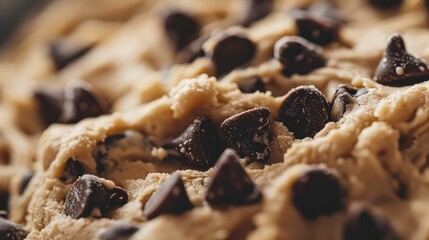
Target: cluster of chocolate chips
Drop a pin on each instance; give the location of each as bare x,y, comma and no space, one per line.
69,106
64,51
229,185
398,67
201,144
88,196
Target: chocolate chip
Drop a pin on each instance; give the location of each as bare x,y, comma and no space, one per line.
248,132
361,223
257,9
170,198
181,28
230,184
80,102
193,50
230,52
339,105
305,111
118,231
343,96
399,68
385,4
199,145
116,197
50,102
65,51
11,231
316,29
298,56
252,85
72,171
317,192
86,194
25,181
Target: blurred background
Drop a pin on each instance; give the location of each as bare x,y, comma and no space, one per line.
14,12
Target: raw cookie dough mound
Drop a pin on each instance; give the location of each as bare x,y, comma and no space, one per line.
217,120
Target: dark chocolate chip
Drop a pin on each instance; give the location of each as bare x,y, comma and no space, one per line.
181,28
116,197
230,184
199,145
252,85
257,9
25,181
316,29
72,171
11,231
3,214
385,4
298,56
118,231
170,198
361,223
86,194
230,52
80,102
50,103
193,50
65,51
398,67
339,105
248,132
305,111
317,192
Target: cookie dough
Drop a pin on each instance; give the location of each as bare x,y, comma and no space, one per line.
219,120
